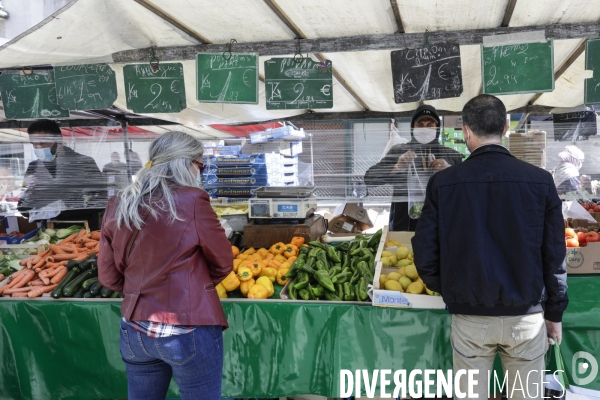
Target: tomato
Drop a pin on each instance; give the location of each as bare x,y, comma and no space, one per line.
570,233
592,237
572,242
581,237
596,208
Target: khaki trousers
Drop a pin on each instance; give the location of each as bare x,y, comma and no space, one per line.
521,342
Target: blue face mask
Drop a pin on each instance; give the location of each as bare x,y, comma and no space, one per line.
44,154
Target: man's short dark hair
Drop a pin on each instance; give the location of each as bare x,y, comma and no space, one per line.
44,125
485,115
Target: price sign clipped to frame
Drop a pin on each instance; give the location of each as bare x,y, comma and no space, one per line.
162,91
30,95
86,86
427,73
227,78
298,85
518,68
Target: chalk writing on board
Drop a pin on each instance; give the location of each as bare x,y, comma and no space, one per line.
427,73
149,92
230,79
86,87
26,96
292,85
518,68
592,62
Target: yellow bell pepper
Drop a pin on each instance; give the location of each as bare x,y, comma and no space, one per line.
263,252
255,267
254,258
297,241
242,256
274,264
236,264
266,282
281,279
246,286
269,256
285,265
250,251
258,292
244,274
280,258
277,248
270,273
221,291
290,250
291,260
231,282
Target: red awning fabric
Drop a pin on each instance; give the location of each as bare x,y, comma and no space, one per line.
243,131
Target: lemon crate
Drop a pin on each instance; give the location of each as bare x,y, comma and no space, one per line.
389,298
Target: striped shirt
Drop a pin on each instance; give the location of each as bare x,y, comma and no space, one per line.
158,329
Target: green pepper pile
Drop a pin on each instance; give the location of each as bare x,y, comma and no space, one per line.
338,274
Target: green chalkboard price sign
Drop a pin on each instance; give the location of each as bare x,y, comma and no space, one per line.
85,87
518,68
292,85
592,62
149,92
30,95
229,79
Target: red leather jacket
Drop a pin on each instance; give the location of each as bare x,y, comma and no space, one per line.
172,269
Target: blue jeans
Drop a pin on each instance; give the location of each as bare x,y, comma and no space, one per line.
195,360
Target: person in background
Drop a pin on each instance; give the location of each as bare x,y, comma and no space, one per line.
116,171
163,247
61,178
505,288
135,162
424,152
566,173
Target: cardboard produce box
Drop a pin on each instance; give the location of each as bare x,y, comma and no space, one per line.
343,224
390,298
583,260
364,217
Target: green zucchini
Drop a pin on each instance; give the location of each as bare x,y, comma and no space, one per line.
95,288
79,294
87,264
88,283
72,263
114,295
76,283
106,292
87,295
58,290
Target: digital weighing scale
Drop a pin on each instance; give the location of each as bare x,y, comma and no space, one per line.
282,203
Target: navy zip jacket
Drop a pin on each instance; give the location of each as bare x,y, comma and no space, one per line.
491,238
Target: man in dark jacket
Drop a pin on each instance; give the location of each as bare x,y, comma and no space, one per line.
424,152
491,241
61,179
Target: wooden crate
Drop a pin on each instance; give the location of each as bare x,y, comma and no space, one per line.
266,235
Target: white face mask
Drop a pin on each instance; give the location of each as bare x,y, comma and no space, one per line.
424,135
198,179
44,154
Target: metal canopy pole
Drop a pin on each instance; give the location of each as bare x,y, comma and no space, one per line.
127,149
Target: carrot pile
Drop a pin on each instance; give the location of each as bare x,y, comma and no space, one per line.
44,271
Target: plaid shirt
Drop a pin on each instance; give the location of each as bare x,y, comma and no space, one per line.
159,330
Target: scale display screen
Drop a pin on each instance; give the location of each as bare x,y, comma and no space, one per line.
260,208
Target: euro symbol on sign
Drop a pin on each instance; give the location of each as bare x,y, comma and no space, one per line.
325,90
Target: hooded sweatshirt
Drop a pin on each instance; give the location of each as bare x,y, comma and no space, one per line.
382,172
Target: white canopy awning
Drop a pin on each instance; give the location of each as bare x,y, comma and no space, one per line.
93,30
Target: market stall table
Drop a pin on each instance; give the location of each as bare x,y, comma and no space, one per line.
69,349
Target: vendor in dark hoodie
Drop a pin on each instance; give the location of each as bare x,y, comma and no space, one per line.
428,157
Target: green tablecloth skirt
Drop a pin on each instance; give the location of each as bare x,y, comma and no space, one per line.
70,349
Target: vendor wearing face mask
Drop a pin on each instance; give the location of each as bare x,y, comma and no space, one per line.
424,152
61,179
